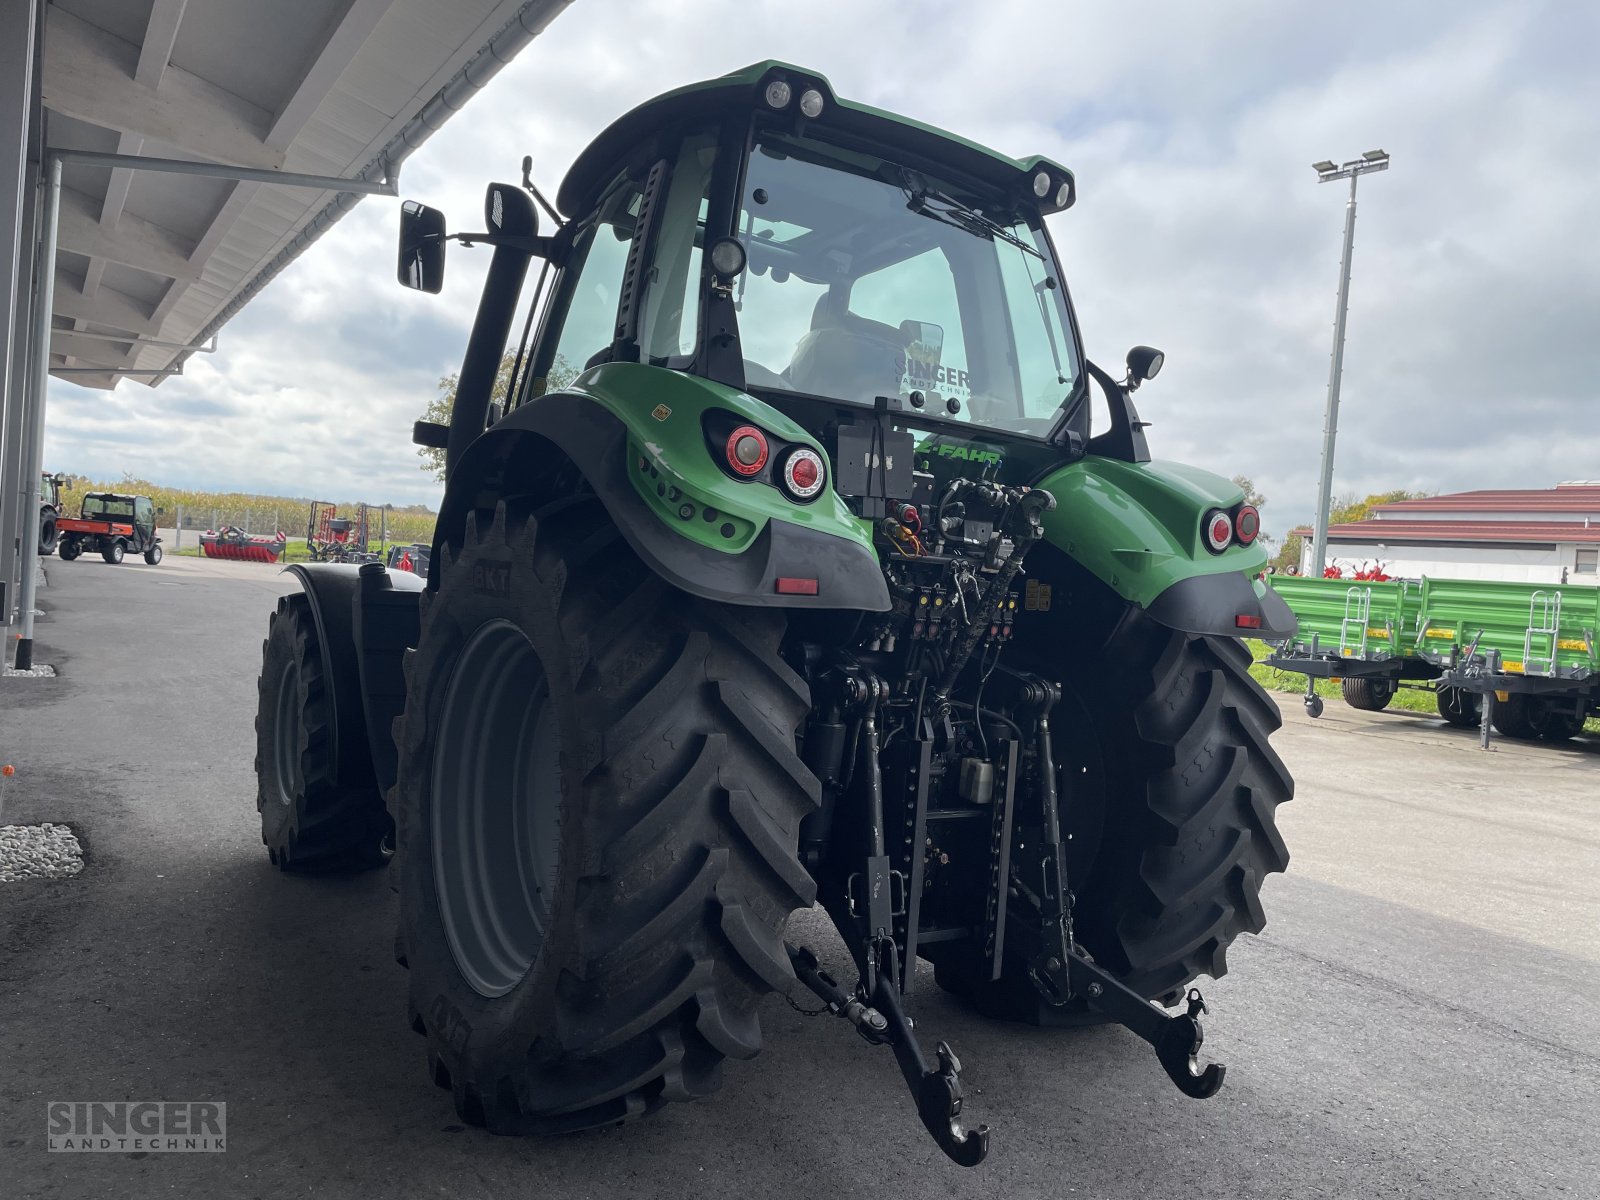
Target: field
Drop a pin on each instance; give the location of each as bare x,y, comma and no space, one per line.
258,514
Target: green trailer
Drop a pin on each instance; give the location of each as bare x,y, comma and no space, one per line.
1362,632
1522,658
1526,656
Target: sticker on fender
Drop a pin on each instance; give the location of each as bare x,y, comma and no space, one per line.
1036,596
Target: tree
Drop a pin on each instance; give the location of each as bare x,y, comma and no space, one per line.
1347,508
1248,487
1288,555
443,405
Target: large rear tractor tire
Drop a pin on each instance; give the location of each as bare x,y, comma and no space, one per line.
48,534
1369,695
1459,707
310,822
598,808
1169,789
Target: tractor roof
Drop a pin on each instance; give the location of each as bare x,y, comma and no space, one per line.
743,90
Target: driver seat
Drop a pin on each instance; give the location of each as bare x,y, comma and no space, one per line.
846,355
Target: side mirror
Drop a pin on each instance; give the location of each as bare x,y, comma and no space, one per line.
421,264
64,482
508,211
1144,363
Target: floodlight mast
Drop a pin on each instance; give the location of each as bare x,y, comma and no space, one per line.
1372,160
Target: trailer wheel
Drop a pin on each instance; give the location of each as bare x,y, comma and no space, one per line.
70,548
1314,706
1170,790
598,809
1369,695
1459,707
1552,721
48,533
309,822
153,555
1512,718
114,552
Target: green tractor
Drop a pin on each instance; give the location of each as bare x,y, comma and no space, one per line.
791,573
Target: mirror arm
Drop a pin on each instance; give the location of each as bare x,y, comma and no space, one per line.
539,247
1125,439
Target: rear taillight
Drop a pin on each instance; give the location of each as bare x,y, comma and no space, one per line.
1247,524
803,473
1218,530
747,451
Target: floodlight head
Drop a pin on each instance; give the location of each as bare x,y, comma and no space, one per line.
1375,155
1323,167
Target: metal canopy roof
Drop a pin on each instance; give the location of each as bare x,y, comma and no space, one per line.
343,88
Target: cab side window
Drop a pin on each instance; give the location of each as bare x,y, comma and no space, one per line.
591,285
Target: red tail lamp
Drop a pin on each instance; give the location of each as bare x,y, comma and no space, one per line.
1218,530
803,473
747,451
1247,524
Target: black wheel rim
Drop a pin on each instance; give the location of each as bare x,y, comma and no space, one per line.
496,809
286,735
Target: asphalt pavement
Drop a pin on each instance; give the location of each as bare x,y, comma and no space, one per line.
1414,1021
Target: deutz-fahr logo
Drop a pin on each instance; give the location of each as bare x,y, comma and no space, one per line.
492,577
969,454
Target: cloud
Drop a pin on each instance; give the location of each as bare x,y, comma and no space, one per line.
1201,229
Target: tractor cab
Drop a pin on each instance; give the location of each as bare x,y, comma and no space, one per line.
761,233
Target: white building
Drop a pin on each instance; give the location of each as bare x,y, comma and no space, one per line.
1546,536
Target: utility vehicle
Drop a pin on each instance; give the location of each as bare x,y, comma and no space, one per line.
113,525
793,572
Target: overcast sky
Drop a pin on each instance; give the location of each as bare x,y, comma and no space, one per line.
1474,334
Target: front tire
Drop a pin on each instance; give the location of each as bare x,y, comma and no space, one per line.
636,857
115,552
310,822
1369,695
153,556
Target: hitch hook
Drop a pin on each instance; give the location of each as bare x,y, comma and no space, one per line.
939,1106
883,1022
1178,1049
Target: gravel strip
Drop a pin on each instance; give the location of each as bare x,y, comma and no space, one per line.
38,852
42,671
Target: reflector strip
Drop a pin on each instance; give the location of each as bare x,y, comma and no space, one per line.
1246,621
795,587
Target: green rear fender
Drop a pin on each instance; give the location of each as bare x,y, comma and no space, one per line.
635,434
1137,528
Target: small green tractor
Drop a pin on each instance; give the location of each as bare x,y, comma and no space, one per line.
792,573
